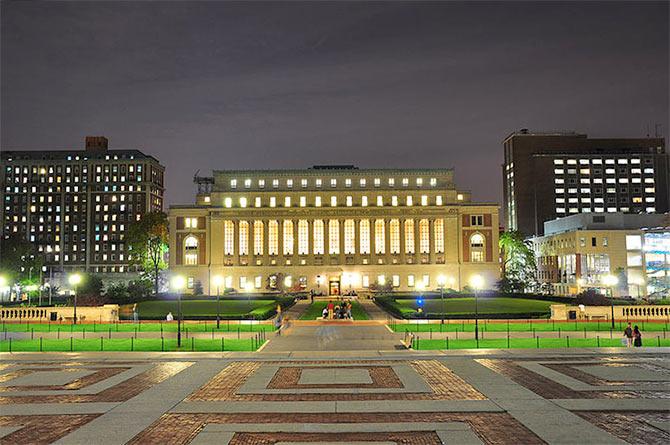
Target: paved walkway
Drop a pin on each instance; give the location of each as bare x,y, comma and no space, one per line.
334,336
384,397
374,312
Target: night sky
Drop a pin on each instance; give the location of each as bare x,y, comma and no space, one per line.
214,85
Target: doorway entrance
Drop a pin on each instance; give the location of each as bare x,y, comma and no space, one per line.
334,286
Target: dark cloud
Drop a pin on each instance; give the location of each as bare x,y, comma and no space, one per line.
205,85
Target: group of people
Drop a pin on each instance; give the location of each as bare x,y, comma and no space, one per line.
632,336
337,312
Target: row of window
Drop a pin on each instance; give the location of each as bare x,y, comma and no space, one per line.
244,202
318,182
598,161
364,235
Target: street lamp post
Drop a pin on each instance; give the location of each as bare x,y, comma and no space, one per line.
441,281
610,281
178,283
477,282
218,280
74,280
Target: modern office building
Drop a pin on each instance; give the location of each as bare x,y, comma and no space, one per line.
333,229
578,252
551,175
76,205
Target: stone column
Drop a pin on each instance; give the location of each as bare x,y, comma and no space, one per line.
401,222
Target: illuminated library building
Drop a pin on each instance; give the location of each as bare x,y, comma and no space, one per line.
333,229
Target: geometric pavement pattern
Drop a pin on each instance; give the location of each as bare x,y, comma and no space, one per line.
510,398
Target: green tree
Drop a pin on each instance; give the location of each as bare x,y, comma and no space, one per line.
19,262
519,270
147,240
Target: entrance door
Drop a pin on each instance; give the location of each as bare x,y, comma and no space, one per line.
334,287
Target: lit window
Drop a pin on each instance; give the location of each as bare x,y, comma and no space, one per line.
257,201
349,237
394,201
433,182
584,171
364,201
228,237
333,201
303,201
410,280
243,283
366,281
377,182
438,200
426,281
424,236
303,183
394,236
347,182
424,200
261,183
439,235
273,237
381,280
362,182
380,201
287,201
459,197
244,237
334,237
233,183
191,223
380,237
572,161
258,237
228,202
391,182
288,237
258,281
318,237
190,251
318,183
333,182
243,202
395,280
273,201
350,201
477,248
364,231
558,161
275,183
317,201
558,171
247,183
633,242
409,236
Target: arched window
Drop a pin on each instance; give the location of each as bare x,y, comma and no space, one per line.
477,248
191,250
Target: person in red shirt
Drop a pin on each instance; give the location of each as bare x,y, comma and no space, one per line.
331,308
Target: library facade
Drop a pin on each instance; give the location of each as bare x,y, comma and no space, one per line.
333,230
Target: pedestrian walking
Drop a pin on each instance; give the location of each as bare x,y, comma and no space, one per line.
637,337
628,335
136,316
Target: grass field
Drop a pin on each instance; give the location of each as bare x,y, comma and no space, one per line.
519,343
486,305
158,309
199,326
538,326
146,345
315,309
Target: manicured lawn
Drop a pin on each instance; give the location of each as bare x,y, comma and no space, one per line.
495,305
538,326
142,344
158,309
197,326
518,343
315,310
